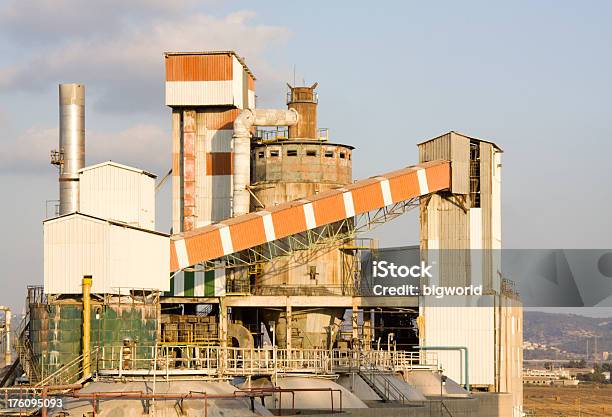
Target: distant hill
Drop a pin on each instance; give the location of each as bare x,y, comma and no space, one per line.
564,335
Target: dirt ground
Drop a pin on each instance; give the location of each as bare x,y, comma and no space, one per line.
579,401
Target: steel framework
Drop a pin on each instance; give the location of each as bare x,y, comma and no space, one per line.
310,244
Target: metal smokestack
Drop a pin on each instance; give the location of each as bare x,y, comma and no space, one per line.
71,143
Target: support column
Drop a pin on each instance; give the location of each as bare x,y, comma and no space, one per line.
86,324
355,323
289,327
7,345
177,223
189,169
367,330
223,334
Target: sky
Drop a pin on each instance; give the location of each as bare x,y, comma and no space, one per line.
534,77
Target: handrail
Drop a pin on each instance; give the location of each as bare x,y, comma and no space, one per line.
207,359
75,367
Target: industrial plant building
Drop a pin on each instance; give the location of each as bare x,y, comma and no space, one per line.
258,300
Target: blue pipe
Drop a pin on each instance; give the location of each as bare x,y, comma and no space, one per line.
463,349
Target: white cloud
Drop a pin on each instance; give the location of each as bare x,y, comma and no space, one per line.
124,64
145,146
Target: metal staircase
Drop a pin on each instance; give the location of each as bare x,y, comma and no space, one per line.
24,350
71,372
381,383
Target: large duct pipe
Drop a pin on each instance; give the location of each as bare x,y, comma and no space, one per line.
241,143
71,143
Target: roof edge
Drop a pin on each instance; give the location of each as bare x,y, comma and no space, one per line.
111,222
117,165
228,52
465,136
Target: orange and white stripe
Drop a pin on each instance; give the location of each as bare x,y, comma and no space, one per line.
250,230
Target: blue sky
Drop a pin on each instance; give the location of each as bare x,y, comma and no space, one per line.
532,76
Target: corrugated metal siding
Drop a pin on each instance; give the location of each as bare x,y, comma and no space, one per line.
199,67
239,83
75,246
138,260
460,163
486,155
200,93
218,118
455,148
115,256
114,193
219,198
473,327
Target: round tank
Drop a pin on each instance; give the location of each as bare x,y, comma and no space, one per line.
285,171
304,100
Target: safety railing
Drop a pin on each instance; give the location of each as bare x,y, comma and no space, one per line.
215,360
73,371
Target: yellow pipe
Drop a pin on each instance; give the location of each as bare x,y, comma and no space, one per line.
86,324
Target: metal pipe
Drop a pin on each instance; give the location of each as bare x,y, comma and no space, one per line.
241,147
463,349
86,324
71,143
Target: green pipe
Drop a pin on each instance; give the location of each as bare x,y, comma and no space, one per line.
463,349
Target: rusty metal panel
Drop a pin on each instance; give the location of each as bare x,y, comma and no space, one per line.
219,163
177,224
218,118
198,67
251,84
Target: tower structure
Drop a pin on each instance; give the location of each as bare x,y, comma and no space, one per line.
206,91
461,234
288,167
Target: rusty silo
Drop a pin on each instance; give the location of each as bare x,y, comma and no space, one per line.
288,167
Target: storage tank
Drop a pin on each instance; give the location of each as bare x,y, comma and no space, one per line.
286,169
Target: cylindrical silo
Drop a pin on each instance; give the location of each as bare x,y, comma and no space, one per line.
304,101
286,170
71,143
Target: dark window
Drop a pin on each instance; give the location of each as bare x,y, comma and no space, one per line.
329,154
342,155
292,152
274,153
260,154
311,153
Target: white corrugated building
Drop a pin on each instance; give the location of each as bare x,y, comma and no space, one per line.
118,256
118,192
111,237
